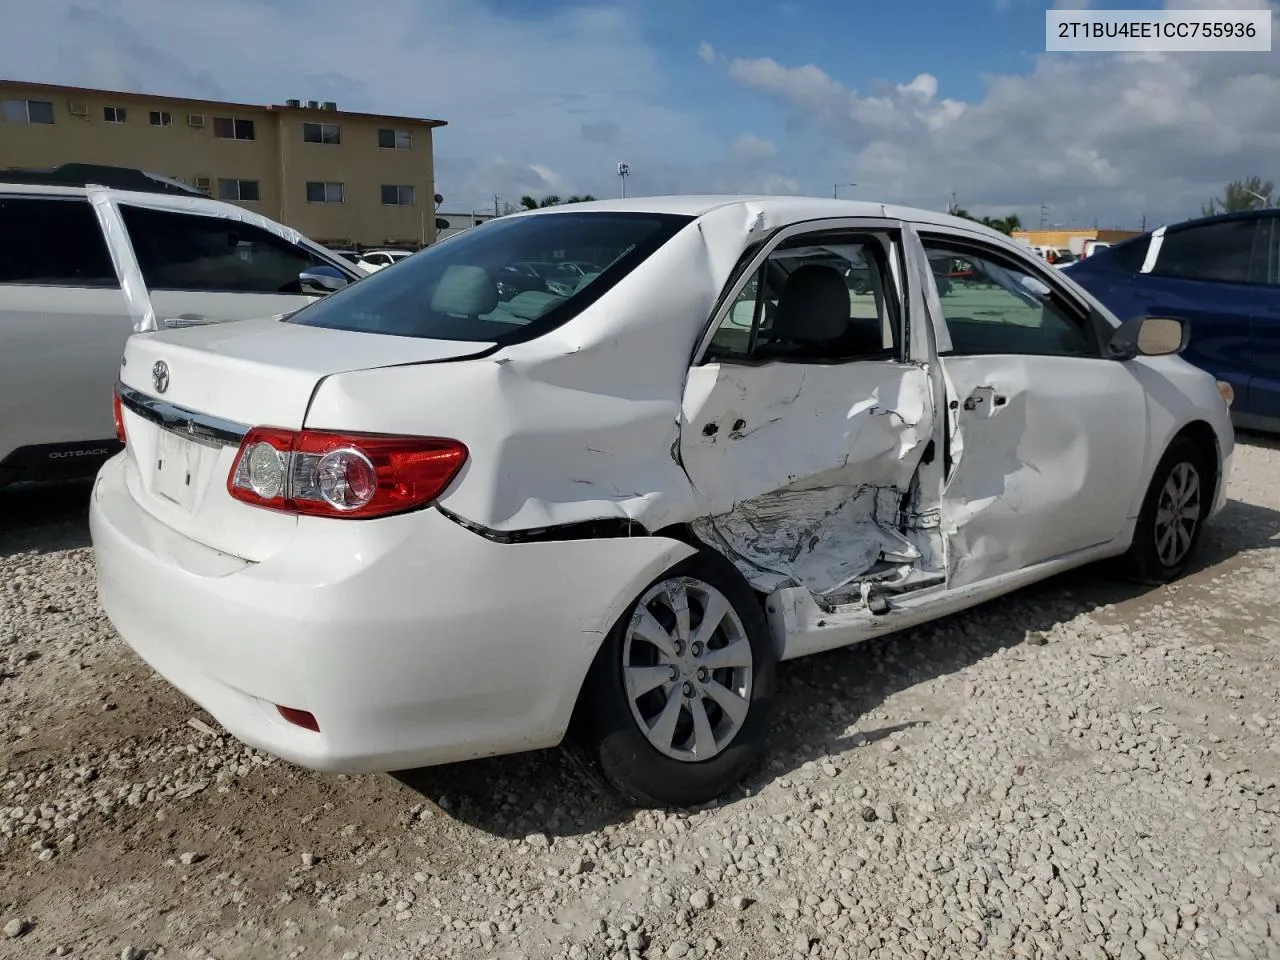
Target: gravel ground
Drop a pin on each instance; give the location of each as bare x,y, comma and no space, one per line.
1083,769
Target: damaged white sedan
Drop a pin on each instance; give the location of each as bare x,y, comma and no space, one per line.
456,510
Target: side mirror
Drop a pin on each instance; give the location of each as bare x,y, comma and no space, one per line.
1149,337
322,279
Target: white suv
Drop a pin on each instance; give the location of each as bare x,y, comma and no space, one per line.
90,255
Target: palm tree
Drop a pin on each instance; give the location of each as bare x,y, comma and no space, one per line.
584,198
1252,193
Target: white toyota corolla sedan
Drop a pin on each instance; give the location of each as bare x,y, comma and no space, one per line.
420,521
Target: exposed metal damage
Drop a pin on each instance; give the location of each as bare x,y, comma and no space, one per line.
823,538
806,472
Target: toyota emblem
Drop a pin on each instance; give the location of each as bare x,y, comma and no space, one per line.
160,376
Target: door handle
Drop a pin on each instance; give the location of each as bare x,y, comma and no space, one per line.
188,320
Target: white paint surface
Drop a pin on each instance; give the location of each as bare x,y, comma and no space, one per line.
399,632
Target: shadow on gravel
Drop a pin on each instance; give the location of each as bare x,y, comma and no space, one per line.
1249,438
819,699
44,517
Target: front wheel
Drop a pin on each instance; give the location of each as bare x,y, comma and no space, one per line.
1172,515
675,708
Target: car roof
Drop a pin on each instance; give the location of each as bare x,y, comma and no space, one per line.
93,174
777,210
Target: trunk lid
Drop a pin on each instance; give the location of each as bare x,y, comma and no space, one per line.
218,381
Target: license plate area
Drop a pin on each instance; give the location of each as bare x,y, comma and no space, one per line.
177,469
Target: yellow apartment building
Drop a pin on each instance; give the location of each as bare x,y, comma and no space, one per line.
337,177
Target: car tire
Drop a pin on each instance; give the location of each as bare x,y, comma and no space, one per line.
1172,517
658,764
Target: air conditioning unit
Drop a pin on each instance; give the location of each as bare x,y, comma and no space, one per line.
204,184
78,108
330,105
294,103
195,119
313,104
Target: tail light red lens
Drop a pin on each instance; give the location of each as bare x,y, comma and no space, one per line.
299,718
117,411
349,475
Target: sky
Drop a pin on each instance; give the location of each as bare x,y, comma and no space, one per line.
911,101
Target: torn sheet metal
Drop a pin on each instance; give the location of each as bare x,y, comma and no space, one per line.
822,538
138,300
801,469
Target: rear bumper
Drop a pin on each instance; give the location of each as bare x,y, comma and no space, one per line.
412,640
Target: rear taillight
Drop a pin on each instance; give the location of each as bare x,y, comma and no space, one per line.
117,411
350,475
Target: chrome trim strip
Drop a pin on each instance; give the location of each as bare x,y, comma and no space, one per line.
200,427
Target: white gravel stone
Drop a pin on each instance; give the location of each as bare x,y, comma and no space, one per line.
1108,793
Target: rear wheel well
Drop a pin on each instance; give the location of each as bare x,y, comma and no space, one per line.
1203,436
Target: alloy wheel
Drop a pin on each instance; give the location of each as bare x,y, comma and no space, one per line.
687,669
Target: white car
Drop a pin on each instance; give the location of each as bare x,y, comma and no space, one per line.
85,264
414,523
371,261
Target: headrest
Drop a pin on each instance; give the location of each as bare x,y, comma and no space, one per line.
465,291
814,306
532,304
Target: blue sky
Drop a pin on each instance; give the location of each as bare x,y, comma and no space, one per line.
911,100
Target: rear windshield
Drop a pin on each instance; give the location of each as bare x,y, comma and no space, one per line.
507,280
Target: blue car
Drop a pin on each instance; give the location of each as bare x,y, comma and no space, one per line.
1222,275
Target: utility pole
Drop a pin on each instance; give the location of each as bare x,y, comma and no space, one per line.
1044,214
1144,223
495,206
624,171
954,206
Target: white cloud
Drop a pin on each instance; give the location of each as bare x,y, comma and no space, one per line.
749,147
707,52
548,103
1105,136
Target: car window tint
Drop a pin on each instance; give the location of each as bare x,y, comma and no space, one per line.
1129,255
500,282
1271,246
814,302
55,242
183,251
1213,251
994,306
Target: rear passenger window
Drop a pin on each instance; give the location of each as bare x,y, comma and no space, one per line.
814,300
49,241
1131,254
183,251
1215,251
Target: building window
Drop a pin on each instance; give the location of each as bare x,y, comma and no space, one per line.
395,139
323,192
161,118
27,111
113,114
225,128
242,190
321,133
397,196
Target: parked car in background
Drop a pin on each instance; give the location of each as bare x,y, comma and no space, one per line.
372,261
88,256
1089,247
708,457
1221,275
